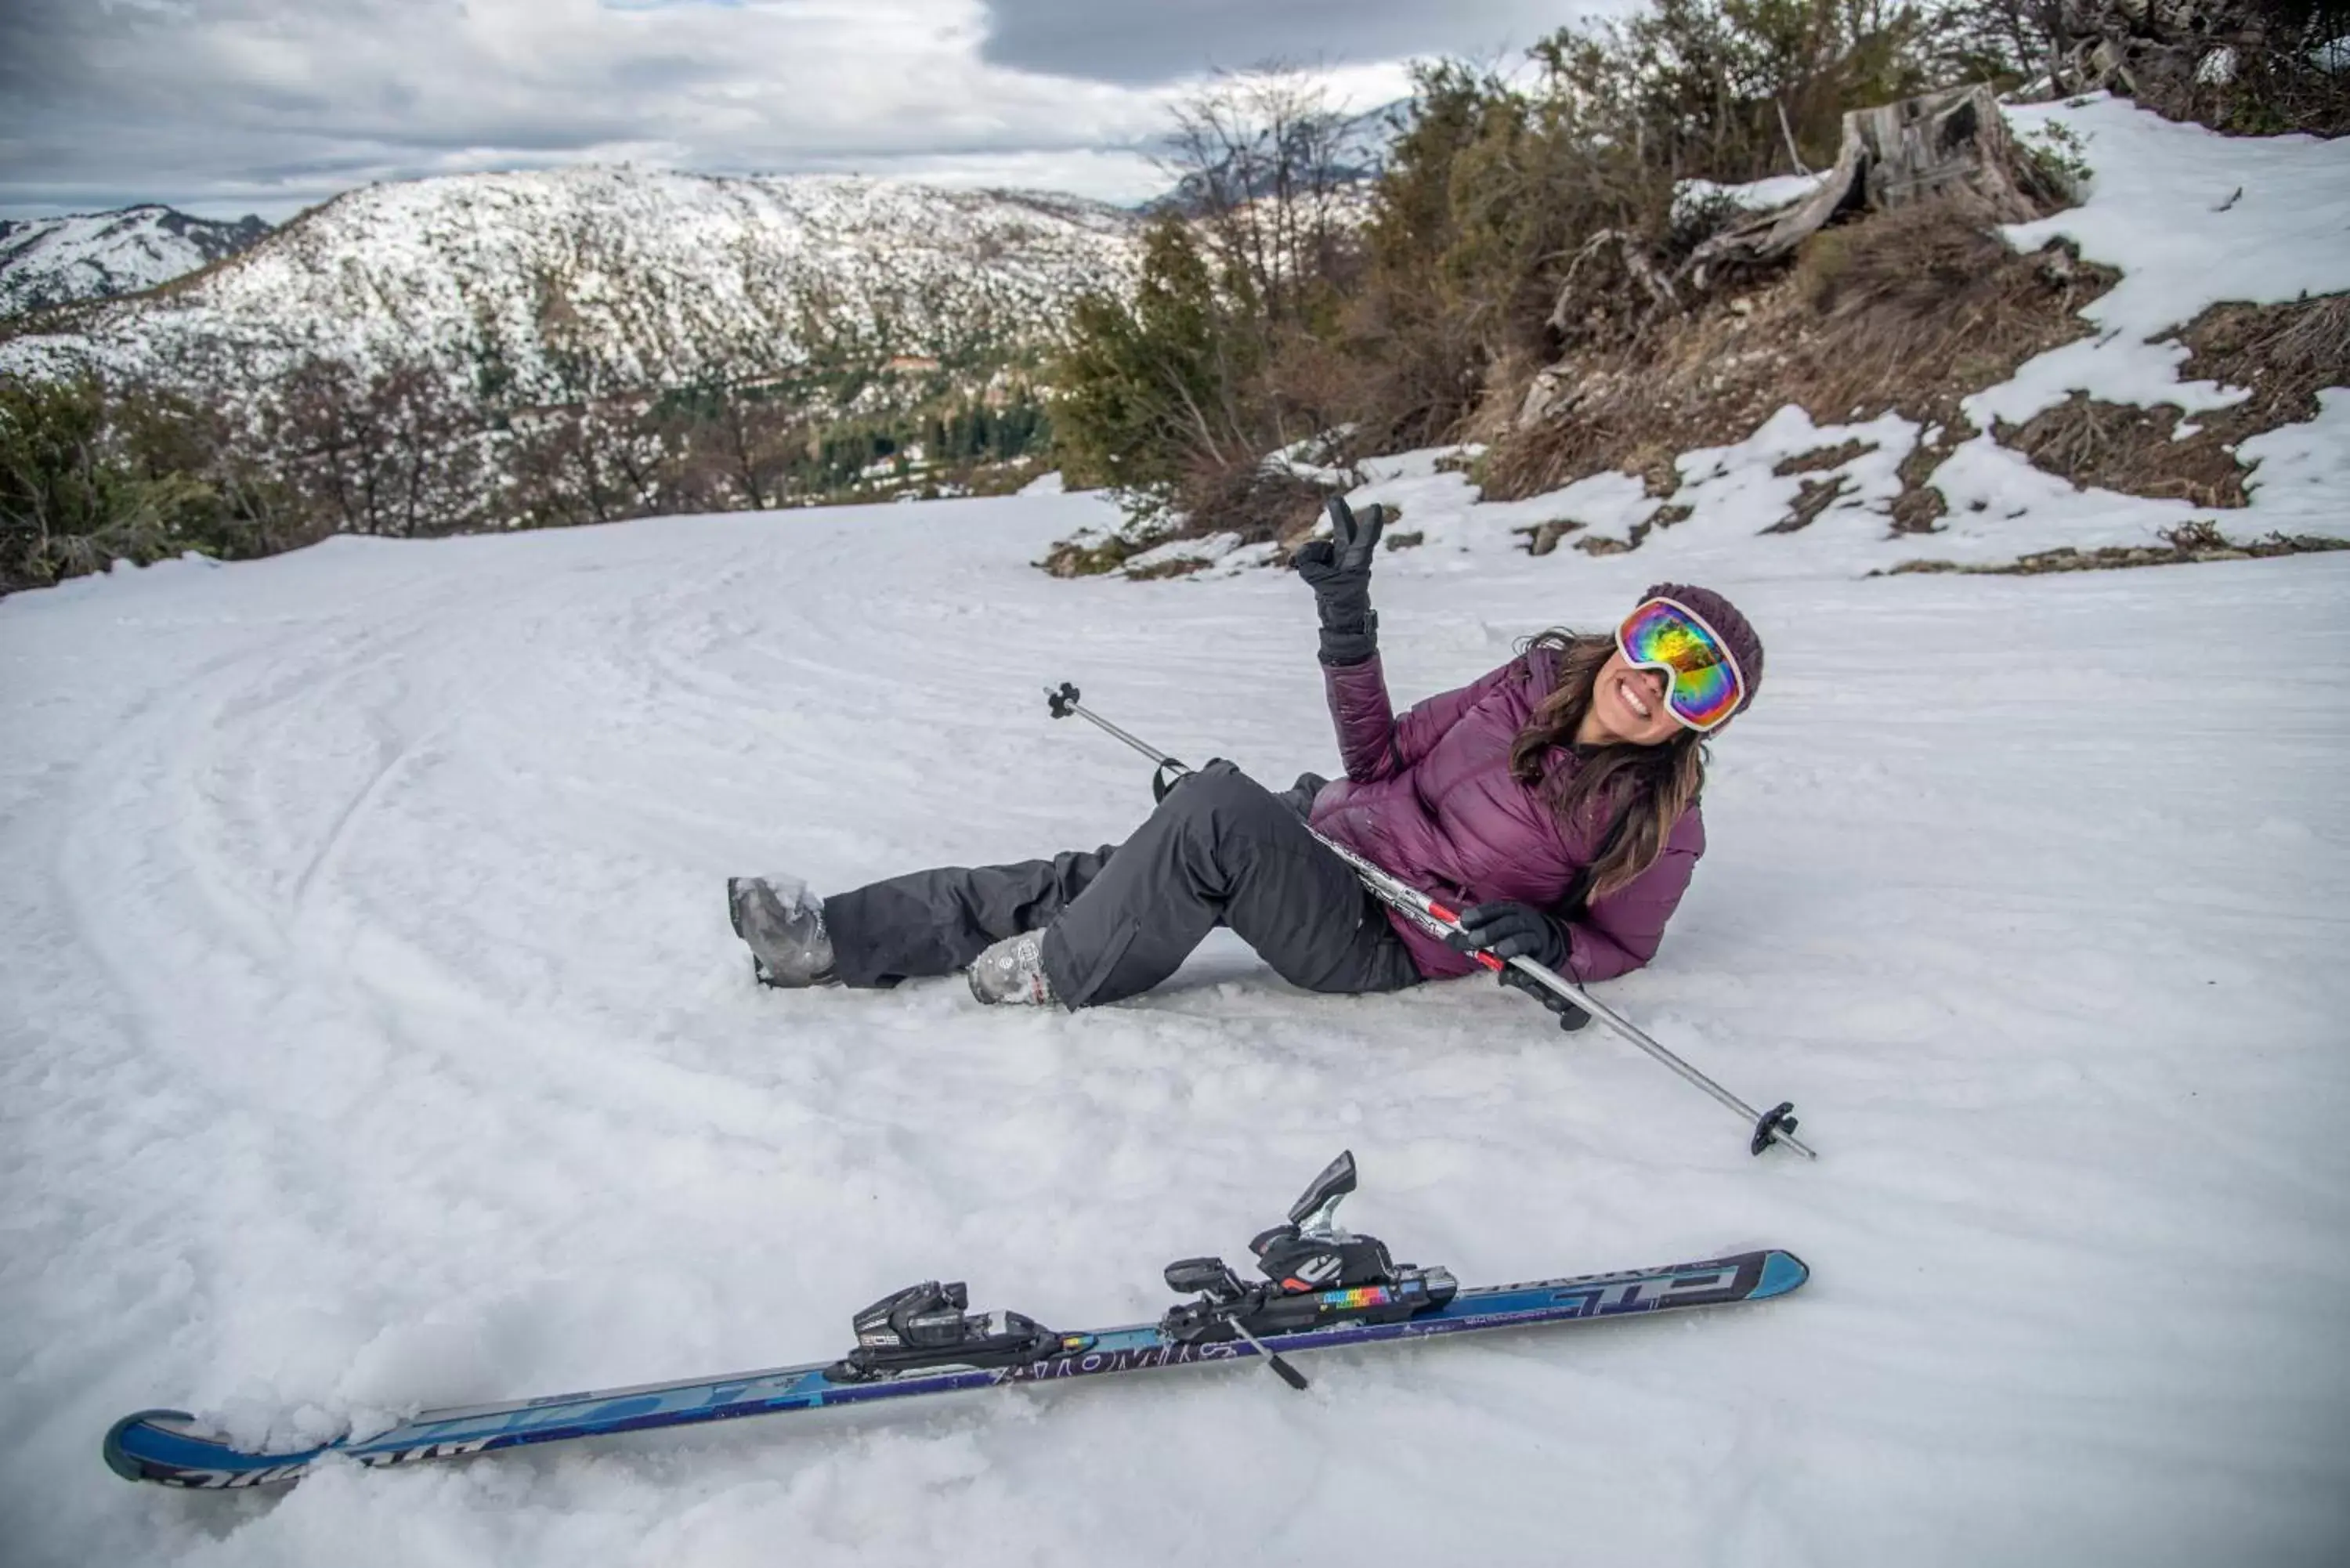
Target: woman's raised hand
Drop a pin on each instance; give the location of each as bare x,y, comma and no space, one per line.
1344,559
1339,569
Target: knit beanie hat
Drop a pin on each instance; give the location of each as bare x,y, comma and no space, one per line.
1722,616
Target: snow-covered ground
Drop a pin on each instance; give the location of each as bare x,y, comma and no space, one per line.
371,1036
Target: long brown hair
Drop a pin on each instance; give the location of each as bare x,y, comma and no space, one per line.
1630,795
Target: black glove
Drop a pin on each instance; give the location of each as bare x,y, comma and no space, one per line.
1339,571
1508,930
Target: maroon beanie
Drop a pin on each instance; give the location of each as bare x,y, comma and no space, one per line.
1722,616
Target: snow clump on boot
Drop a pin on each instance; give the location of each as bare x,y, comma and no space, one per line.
1013,970
783,924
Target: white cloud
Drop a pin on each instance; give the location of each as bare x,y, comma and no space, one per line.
225,106
1161,40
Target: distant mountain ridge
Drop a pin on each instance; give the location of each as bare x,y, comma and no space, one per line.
46,262
554,286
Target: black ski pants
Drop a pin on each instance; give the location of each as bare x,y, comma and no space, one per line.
1220,850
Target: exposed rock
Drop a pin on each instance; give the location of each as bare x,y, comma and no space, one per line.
1544,537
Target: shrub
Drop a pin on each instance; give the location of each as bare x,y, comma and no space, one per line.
1514,222
87,478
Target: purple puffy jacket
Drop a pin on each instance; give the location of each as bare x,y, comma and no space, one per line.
1429,796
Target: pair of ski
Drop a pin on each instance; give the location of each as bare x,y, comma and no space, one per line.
1323,1288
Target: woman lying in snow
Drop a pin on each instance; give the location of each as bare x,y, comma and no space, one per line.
1557,797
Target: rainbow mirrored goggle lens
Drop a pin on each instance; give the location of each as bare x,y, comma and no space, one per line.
1704,688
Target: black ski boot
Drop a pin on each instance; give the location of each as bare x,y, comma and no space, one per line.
783,923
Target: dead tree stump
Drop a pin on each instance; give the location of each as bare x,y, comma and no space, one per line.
1952,145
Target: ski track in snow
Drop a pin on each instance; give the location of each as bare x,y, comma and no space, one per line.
373,1038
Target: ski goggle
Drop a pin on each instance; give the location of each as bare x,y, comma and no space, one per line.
1703,686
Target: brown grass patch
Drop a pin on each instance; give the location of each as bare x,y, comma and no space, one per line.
1919,508
1821,459
1908,310
2190,542
2283,354
1811,498
2118,446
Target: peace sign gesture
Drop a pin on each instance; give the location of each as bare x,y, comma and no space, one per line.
1339,569
1344,559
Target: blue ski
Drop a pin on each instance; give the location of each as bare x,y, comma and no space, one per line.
919,1343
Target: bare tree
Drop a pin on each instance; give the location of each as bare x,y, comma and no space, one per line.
1261,171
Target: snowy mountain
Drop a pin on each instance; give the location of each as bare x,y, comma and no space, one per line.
551,286
94,255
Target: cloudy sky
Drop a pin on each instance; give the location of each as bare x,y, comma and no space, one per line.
225,107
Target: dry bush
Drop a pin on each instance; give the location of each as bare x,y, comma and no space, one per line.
2284,353
1908,310
1917,307
1258,503
1413,365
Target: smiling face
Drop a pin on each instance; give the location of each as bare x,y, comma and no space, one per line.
1628,707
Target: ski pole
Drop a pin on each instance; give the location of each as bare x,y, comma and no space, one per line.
1774,1125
